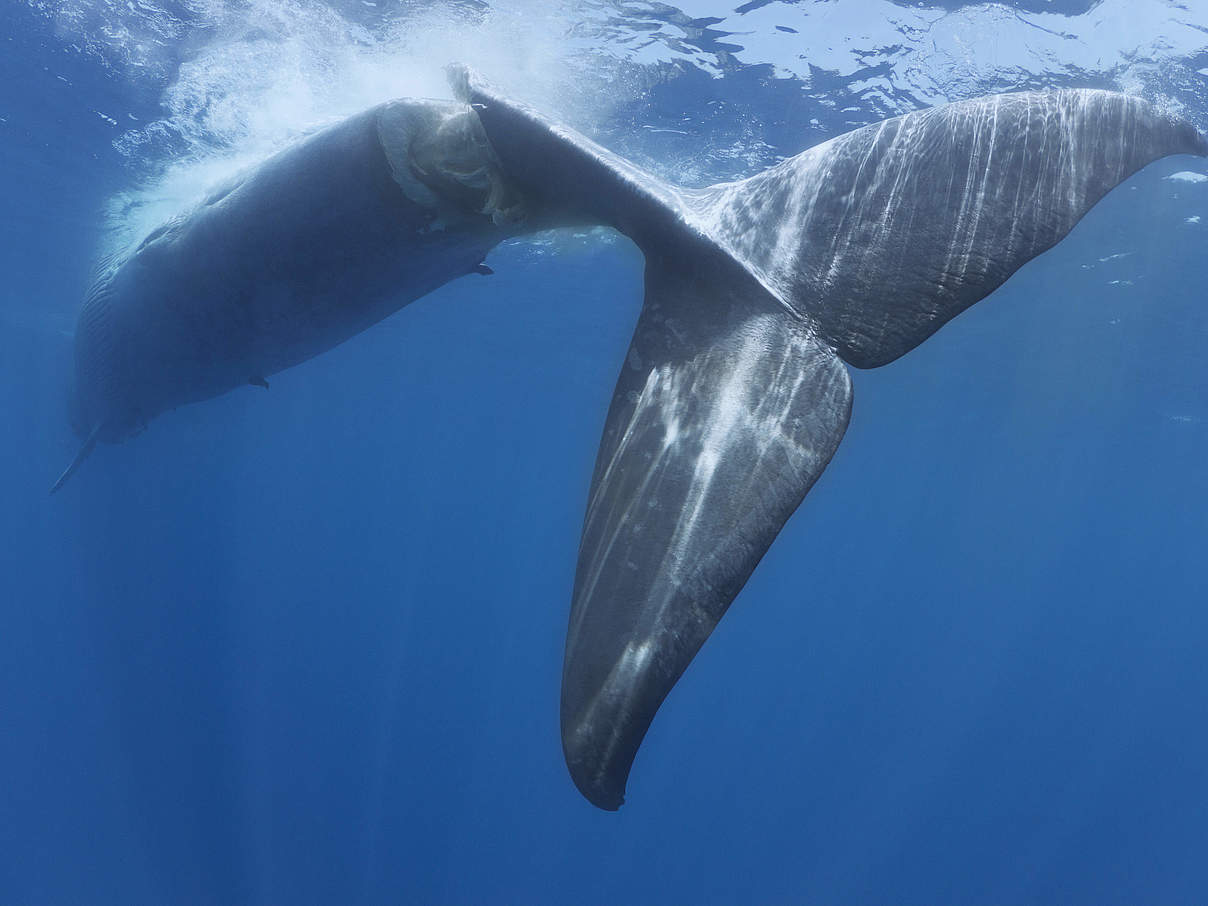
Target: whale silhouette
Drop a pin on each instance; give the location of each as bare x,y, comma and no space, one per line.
733,396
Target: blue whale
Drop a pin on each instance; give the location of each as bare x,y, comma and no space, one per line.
734,394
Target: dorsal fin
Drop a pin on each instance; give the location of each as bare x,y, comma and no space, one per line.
568,176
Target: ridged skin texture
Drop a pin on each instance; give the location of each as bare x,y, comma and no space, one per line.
883,235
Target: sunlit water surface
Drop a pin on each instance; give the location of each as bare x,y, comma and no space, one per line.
304,646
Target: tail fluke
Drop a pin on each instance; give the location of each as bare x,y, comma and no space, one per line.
726,412
733,396
883,235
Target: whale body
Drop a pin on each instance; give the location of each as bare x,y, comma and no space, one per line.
734,394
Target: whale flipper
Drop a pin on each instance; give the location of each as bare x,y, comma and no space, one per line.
726,412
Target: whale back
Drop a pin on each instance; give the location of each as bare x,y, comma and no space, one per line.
287,260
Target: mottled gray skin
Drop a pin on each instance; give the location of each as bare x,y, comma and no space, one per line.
733,396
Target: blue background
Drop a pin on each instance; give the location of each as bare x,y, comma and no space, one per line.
304,645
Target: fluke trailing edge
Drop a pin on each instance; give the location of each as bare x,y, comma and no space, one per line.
734,394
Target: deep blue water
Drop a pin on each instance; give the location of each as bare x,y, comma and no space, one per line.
304,645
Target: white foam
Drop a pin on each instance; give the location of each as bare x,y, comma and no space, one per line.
1187,176
257,73
260,73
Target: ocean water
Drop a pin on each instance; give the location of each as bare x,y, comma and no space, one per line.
304,645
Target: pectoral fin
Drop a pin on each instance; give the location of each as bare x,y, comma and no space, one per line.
80,456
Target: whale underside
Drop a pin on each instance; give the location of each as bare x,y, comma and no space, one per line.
734,394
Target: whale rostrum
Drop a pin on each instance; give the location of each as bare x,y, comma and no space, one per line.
734,394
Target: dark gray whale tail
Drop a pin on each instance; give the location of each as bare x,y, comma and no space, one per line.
733,396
